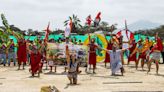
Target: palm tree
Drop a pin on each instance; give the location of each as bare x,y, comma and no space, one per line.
75,23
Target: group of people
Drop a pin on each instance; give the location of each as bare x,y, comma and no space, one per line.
145,51
35,54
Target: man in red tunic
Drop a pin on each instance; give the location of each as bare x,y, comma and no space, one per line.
107,57
35,58
92,54
131,49
21,53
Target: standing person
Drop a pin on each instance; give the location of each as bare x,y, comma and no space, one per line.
3,53
11,52
156,52
133,45
35,58
142,54
22,52
115,58
28,51
107,56
163,54
92,54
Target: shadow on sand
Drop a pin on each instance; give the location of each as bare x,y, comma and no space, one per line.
70,85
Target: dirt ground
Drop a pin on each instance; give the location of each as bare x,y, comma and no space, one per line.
12,80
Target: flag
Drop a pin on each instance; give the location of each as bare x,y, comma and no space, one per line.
126,27
88,20
118,35
127,35
98,51
70,24
67,31
98,16
97,19
47,32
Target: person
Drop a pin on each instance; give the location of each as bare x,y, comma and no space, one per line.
133,45
35,58
73,69
28,53
67,56
44,55
80,43
3,53
11,53
163,54
142,54
115,58
109,47
156,52
92,54
21,53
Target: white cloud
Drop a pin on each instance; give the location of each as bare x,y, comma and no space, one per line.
36,13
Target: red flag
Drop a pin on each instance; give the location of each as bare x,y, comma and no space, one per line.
131,36
119,34
98,16
127,34
88,20
47,32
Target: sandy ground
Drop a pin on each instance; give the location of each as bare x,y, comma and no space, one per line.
12,80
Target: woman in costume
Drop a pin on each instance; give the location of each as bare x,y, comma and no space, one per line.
142,54
156,52
92,54
133,45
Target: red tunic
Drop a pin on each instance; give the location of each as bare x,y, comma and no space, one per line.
22,52
35,59
133,57
107,57
142,55
92,54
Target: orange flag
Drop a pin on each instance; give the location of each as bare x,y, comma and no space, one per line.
47,32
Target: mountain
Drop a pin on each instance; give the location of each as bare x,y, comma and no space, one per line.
142,25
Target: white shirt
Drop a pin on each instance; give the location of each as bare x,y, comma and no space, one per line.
115,56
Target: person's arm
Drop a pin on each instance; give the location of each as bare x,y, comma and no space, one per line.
15,35
108,51
134,51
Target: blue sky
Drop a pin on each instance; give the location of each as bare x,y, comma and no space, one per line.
36,14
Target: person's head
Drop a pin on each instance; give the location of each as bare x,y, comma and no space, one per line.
114,47
11,40
140,42
147,39
67,48
66,39
92,40
110,40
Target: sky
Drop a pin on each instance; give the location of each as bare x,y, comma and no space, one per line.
36,14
